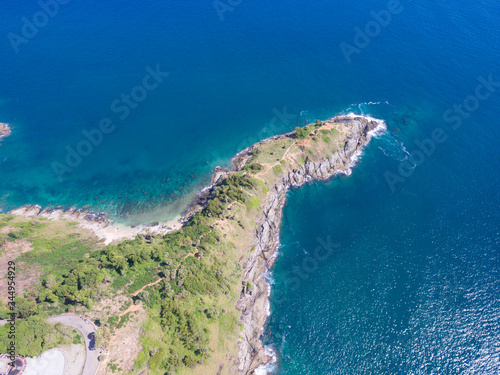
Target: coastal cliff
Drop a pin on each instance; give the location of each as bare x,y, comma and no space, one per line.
253,304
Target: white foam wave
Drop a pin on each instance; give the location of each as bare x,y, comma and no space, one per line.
380,129
268,277
268,350
206,188
270,367
394,149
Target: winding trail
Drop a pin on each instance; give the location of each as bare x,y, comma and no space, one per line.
131,308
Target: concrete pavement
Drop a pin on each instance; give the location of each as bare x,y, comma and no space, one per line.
87,329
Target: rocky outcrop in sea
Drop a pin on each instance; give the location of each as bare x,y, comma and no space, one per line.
5,130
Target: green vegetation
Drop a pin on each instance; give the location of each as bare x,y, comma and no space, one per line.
34,335
77,337
277,169
56,246
113,367
182,318
182,306
252,202
254,167
261,184
255,151
301,133
228,191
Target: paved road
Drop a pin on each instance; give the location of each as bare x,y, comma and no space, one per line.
87,329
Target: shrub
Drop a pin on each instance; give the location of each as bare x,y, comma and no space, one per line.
253,167
301,133
212,312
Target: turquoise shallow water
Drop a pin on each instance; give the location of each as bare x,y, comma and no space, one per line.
412,287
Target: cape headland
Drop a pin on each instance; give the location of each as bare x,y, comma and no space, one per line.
329,148
229,236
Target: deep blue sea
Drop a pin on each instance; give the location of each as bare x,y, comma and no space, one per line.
410,283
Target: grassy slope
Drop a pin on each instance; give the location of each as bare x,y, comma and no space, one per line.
39,247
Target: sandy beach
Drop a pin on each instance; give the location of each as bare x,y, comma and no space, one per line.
98,223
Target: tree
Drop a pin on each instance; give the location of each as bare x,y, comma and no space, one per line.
34,335
168,288
50,281
144,296
301,133
25,307
166,273
51,297
181,275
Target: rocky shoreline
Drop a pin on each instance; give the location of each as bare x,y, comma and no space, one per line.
253,304
97,222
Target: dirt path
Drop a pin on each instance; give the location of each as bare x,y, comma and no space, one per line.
145,286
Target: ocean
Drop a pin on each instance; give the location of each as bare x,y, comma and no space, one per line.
126,108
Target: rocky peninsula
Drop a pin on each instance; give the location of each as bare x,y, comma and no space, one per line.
236,220
316,152
354,133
